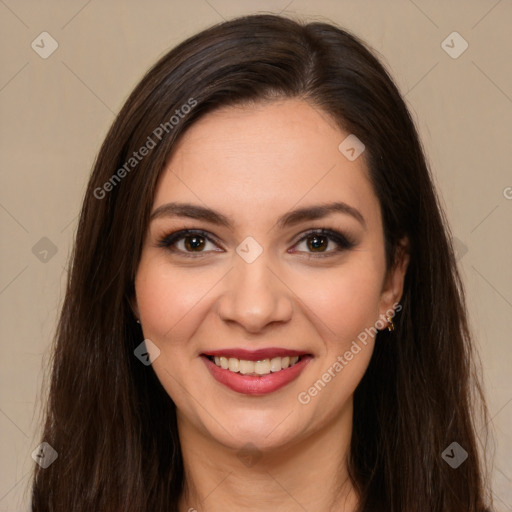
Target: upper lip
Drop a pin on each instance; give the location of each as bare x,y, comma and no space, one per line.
255,355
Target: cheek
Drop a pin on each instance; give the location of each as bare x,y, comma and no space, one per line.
166,297
345,302
345,307
170,304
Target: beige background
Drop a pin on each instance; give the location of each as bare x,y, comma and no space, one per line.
55,113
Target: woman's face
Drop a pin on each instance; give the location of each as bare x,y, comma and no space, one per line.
252,183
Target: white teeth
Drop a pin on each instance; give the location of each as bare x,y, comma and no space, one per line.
234,364
246,366
263,367
275,364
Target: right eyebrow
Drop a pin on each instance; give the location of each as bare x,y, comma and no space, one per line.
191,211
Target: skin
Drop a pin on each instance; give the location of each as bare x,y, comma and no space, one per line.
254,163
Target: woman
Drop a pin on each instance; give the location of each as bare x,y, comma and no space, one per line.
262,215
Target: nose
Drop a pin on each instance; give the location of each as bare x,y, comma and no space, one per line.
255,296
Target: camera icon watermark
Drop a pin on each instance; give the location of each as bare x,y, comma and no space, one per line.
454,45
147,352
44,250
459,248
249,455
454,455
44,455
249,250
44,45
351,147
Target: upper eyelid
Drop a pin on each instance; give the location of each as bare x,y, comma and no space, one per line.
180,234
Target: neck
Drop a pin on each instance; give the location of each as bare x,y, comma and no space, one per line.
309,473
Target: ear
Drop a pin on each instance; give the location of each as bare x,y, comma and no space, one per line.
393,286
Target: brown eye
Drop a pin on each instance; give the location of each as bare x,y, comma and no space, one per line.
324,242
317,243
189,243
194,243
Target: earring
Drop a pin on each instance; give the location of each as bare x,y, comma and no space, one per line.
138,321
391,326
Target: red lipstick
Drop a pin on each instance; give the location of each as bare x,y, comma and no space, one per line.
254,355
255,384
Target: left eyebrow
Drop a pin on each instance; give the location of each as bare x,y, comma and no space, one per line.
292,218
319,212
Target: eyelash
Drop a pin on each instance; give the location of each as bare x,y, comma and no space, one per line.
343,241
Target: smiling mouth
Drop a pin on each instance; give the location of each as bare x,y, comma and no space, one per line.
255,368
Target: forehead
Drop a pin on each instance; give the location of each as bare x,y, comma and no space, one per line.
265,157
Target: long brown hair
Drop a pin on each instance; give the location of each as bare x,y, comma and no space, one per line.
107,415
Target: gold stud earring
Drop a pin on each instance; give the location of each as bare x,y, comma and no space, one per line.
391,325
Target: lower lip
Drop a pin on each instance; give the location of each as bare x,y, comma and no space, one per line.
256,385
